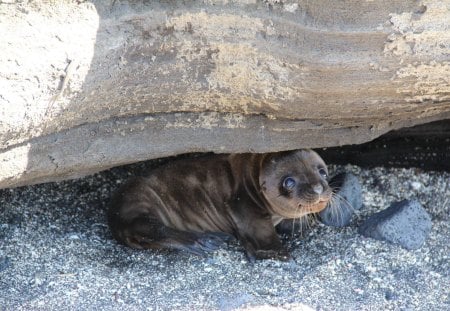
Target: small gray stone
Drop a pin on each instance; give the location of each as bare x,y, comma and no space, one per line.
347,199
405,223
390,295
4,263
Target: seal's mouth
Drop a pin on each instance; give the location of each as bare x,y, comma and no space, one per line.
315,207
303,209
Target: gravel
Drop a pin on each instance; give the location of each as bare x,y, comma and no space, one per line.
56,253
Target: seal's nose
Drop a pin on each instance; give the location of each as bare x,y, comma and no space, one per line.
318,188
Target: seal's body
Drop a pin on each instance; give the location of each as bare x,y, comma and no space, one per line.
189,204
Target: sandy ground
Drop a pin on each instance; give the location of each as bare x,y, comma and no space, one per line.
56,253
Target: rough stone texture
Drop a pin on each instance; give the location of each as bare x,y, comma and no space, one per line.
405,223
120,82
347,199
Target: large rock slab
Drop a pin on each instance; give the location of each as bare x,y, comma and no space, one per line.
120,82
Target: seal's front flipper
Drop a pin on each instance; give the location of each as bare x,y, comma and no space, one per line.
262,242
261,254
266,252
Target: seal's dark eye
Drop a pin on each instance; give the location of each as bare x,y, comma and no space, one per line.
289,183
323,173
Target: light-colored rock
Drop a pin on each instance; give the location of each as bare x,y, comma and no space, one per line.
88,86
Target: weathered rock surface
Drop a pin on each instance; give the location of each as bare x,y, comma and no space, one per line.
119,82
405,223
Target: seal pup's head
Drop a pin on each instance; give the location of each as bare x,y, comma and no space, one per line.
294,183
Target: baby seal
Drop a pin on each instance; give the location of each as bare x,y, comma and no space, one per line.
192,204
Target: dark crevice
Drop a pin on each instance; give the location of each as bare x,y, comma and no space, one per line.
425,146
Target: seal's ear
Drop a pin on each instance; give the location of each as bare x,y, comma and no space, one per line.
268,176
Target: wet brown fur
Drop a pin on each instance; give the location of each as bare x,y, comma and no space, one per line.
185,204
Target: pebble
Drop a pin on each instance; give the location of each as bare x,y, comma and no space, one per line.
4,263
390,295
416,185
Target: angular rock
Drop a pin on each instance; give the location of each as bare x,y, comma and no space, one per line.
347,199
405,223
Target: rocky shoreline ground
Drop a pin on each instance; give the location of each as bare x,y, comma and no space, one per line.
56,253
